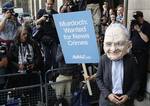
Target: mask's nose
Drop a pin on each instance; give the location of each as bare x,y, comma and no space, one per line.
113,47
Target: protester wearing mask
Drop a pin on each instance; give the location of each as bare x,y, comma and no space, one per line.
117,76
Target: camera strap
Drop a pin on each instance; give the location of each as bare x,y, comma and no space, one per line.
23,51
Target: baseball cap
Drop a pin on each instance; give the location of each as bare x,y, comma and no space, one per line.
137,14
7,6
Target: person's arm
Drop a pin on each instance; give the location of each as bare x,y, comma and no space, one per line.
63,8
40,16
132,92
40,20
142,35
3,21
2,24
100,77
92,77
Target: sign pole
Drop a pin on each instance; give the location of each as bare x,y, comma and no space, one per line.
87,81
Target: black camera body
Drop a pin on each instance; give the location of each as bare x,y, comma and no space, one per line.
29,62
29,59
15,14
48,17
134,22
135,16
104,20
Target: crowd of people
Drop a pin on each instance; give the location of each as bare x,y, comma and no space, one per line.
121,75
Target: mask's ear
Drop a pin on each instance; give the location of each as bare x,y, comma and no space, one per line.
129,45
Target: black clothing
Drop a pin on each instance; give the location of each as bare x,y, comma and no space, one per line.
140,51
14,53
137,42
69,69
92,1
48,38
130,79
29,78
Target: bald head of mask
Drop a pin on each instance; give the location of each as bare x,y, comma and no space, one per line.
116,41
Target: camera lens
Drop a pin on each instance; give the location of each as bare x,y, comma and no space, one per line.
135,16
45,15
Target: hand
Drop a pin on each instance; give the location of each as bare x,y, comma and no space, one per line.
30,66
43,18
21,66
114,98
137,28
86,77
123,99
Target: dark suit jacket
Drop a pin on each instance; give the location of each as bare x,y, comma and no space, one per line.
130,81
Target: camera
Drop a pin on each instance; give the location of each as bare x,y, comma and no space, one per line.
134,22
15,14
104,20
135,16
29,62
48,17
29,59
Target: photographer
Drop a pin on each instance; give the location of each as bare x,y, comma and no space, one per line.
68,6
24,56
3,64
8,24
48,37
140,35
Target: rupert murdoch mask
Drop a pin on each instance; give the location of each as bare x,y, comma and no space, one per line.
116,41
